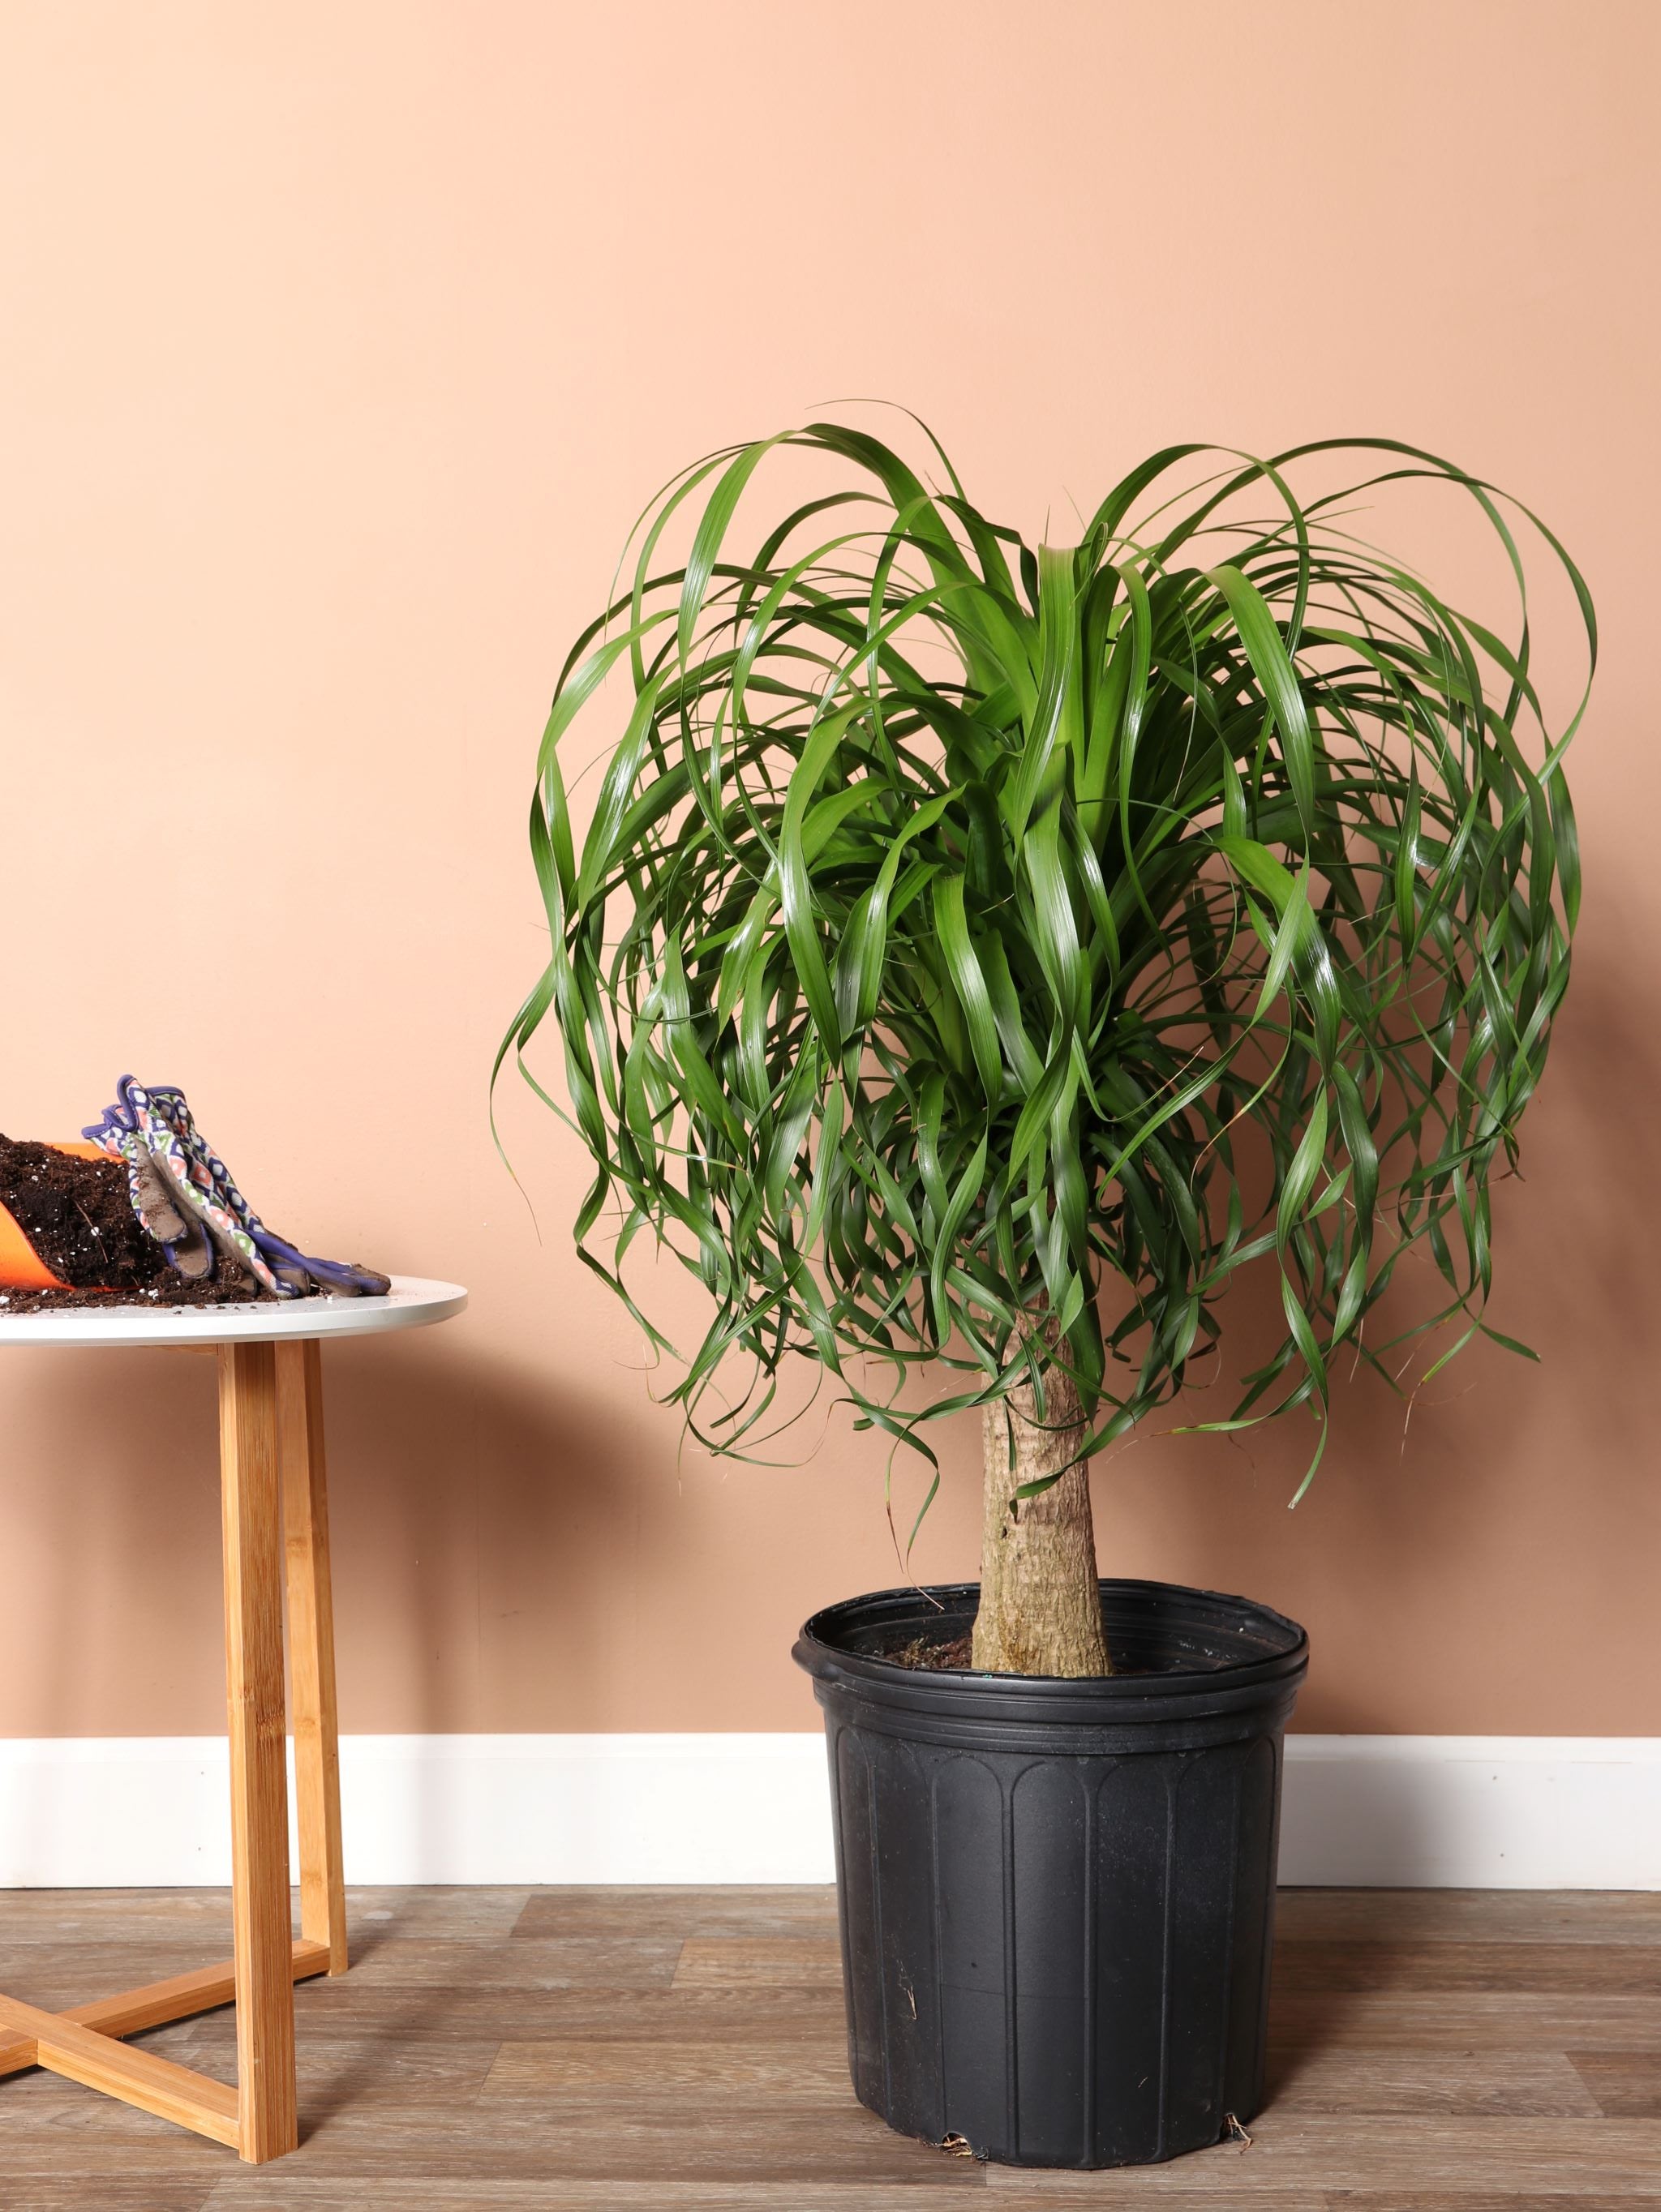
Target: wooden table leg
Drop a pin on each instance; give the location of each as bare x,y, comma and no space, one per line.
311,1646
268,2123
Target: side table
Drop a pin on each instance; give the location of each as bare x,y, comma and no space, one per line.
276,1532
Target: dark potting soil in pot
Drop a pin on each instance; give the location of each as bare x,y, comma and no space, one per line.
956,1656
1133,1651
77,1215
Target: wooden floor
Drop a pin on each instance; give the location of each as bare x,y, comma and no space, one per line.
585,2050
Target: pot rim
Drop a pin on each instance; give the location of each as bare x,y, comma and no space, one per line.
821,1652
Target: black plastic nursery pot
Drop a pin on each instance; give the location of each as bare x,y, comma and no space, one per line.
1057,1898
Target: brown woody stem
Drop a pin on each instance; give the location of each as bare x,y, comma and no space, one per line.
1040,1610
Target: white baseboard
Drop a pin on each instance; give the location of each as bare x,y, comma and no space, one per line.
1473,1811
150,1811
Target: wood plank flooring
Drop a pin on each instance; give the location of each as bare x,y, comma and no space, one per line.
612,2051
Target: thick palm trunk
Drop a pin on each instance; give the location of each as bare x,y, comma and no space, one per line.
1040,1611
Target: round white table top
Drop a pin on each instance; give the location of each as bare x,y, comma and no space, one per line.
413,1303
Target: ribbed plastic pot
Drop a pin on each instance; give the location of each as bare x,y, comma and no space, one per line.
1057,1898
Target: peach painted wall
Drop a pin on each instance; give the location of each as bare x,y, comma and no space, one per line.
342,345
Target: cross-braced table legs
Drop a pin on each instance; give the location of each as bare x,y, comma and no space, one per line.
272,1462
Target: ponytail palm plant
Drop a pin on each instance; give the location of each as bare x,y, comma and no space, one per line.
977,954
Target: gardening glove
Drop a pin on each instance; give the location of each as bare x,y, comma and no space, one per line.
183,1194
170,1220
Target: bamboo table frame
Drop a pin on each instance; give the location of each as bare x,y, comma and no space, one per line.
275,1500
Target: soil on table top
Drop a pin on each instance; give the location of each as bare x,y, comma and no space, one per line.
231,1285
78,1215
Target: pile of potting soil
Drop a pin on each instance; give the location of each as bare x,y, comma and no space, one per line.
77,1215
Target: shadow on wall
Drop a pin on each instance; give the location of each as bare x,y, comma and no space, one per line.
1584,1259
487,1531
482,1524
512,1536
1461,1571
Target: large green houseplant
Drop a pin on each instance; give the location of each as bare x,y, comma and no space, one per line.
976,954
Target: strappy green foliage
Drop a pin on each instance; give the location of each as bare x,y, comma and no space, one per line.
965,932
